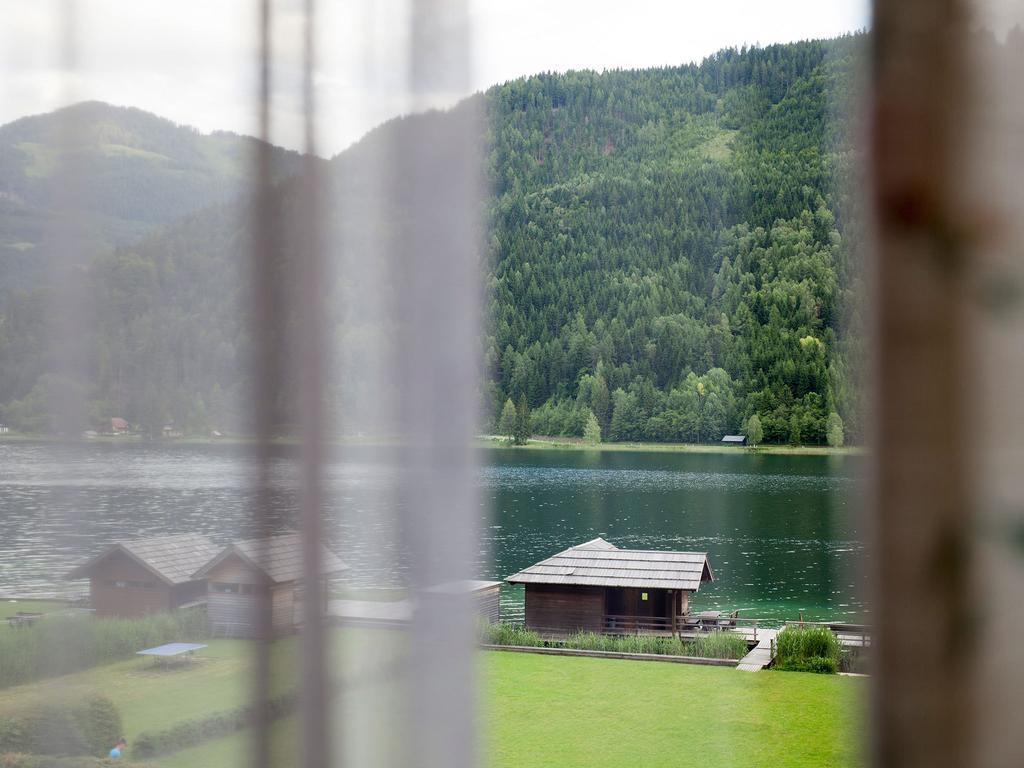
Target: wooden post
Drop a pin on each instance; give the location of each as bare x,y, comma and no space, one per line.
672,600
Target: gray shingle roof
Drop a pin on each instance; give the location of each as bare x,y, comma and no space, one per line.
280,557
601,564
173,558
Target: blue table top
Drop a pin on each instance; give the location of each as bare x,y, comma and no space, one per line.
171,649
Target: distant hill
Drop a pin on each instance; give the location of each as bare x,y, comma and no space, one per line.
138,172
671,250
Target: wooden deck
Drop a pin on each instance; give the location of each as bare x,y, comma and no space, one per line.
761,655
365,613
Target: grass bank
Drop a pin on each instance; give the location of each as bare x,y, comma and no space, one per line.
571,444
571,712
535,710
561,712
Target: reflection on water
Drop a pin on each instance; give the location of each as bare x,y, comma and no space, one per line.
780,530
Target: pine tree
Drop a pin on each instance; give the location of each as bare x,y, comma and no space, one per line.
794,430
521,431
592,430
507,421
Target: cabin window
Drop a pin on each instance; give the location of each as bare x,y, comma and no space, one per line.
643,596
225,587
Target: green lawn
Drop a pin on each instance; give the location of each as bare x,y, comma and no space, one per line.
592,713
219,678
536,710
11,607
568,711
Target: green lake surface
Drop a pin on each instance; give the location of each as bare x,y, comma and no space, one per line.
781,531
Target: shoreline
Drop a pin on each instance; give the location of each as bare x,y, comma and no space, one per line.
571,444
485,441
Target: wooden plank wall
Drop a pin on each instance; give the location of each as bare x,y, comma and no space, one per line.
127,602
488,604
564,609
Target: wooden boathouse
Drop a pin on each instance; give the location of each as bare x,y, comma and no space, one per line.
597,587
141,576
238,575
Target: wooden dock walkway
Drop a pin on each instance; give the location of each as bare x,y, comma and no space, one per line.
761,655
366,613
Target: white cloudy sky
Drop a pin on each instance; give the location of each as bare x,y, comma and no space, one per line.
194,60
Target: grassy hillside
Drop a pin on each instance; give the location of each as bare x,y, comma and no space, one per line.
136,171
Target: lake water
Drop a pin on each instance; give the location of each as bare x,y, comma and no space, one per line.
781,531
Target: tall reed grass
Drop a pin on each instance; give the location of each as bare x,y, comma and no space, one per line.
807,649
60,645
714,645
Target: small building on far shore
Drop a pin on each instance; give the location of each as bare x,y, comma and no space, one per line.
141,576
597,587
239,574
735,439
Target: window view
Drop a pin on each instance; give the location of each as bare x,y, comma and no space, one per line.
468,382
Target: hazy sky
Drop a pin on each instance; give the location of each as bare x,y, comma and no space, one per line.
193,61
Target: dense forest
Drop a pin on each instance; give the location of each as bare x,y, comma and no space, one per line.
669,253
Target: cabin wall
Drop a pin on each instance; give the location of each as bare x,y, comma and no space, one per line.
563,609
119,586
189,592
232,593
488,604
283,602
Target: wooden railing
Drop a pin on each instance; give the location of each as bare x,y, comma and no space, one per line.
688,625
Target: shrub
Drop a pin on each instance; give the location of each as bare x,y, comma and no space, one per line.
801,648
89,726
61,645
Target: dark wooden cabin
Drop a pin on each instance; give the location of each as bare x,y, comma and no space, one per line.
134,578
597,587
244,571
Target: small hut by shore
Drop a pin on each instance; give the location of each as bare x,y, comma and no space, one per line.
133,578
243,572
597,587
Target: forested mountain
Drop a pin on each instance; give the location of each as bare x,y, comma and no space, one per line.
671,250
137,171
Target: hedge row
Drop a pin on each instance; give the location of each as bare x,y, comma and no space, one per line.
61,645
89,726
191,732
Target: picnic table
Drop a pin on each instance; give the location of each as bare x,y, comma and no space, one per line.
169,651
24,619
